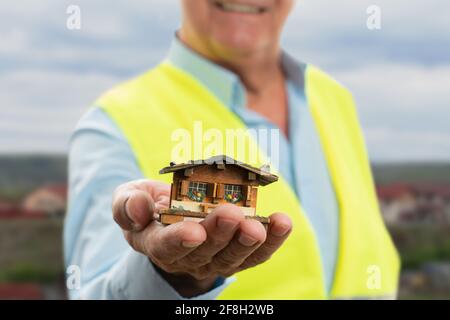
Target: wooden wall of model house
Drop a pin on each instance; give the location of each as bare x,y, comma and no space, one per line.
216,180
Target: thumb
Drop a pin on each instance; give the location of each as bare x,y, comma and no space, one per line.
133,208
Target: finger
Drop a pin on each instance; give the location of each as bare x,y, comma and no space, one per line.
159,191
220,226
250,236
167,244
163,202
278,231
133,208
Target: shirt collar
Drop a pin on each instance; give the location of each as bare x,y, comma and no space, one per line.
225,84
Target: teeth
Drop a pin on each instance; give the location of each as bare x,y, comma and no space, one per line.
236,7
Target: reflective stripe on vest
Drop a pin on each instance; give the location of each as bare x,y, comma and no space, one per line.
150,108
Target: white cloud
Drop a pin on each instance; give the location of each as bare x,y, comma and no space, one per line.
49,75
388,144
404,109
13,41
334,33
414,93
40,108
403,88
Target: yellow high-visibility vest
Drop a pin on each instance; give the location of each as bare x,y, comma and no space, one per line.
149,108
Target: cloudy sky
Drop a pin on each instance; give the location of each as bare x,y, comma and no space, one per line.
400,75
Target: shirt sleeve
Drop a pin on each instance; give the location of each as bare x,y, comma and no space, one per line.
100,159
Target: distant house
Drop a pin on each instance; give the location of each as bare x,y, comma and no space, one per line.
403,203
9,210
50,199
396,201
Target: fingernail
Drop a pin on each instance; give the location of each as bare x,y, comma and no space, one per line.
246,240
226,225
280,231
190,244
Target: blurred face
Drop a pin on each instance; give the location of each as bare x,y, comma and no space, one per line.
234,27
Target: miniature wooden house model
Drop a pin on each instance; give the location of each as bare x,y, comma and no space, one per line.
200,186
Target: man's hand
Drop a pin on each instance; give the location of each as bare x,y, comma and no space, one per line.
190,255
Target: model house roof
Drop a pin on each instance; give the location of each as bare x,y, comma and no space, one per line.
263,174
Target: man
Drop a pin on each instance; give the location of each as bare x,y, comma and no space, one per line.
226,70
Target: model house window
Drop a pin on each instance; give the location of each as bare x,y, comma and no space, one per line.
233,193
197,191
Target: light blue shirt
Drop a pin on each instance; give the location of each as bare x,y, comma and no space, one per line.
100,159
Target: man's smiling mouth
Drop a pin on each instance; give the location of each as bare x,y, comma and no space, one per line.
239,7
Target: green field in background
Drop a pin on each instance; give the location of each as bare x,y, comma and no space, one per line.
31,250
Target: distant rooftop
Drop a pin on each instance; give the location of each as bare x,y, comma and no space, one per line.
396,190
